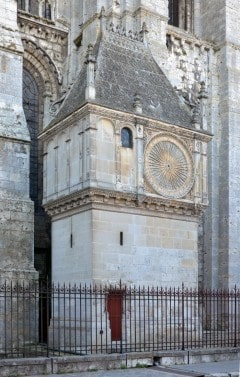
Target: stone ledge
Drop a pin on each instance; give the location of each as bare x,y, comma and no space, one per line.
195,356
68,364
72,364
25,367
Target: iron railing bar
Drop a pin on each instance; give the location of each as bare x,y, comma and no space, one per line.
152,319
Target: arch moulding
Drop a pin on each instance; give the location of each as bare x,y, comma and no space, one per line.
43,69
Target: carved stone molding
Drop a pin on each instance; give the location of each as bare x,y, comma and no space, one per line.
169,166
41,26
151,125
95,198
34,53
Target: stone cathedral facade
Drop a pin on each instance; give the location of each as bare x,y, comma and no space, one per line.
120,141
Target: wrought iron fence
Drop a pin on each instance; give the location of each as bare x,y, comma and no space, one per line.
41,319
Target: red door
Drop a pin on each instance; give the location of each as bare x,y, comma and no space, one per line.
114,307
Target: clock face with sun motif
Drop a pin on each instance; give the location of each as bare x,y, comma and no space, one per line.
169,166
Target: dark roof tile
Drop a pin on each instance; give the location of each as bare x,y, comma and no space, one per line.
123,68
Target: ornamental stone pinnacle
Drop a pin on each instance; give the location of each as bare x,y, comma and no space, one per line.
90,92
137,104
143,34
103,19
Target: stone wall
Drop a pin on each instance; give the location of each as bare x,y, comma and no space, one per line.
154,250
16,247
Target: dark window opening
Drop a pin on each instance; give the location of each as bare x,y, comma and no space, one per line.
32,7
47,12
180,14
173,12
126,138
21,4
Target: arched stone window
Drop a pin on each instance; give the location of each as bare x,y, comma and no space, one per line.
126,137
32,110
180,13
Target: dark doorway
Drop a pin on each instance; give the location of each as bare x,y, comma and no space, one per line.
115,309
42,225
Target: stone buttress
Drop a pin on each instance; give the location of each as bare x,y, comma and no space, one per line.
16,209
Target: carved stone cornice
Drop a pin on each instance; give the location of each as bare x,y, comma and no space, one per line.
36,55
41,26
149,13
189,38
96,198
155,125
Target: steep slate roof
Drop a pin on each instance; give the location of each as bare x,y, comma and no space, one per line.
125,67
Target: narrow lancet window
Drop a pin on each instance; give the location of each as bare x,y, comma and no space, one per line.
47,12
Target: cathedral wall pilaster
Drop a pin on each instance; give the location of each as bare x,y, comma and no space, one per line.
140,158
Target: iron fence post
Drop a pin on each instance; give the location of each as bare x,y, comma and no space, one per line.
183,319
48,319
235,316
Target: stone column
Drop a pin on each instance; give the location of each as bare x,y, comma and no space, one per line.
198,178
91,150
90,91
47,95
197,17
140,158
27,6
81,155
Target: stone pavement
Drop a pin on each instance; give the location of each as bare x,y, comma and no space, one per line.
220,368
217,369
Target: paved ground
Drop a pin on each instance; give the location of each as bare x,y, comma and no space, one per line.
218,369
135,372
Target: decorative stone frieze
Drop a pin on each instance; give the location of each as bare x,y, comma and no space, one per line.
152,125
42,27
96,198
189,58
